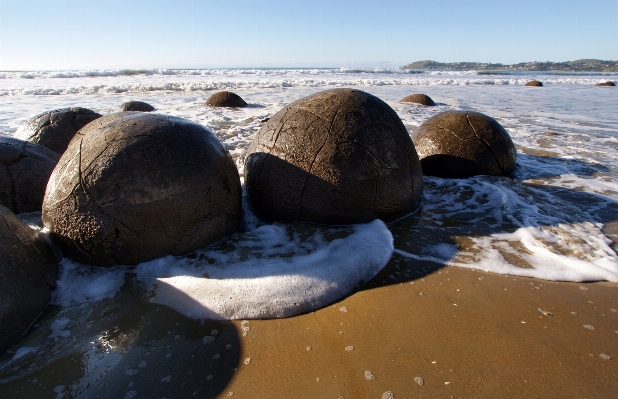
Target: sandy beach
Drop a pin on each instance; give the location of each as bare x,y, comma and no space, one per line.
465,333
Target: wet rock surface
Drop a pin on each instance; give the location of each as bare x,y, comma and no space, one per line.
534,83
25,168
28,271
225,99
139,106
422,99
135,186
608,83
463,144
339,156
55,129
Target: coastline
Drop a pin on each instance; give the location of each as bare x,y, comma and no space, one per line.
126,346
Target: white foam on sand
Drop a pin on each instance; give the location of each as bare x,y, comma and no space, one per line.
507,227
270,274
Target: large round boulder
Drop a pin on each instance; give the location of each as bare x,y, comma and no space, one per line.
339,156
422,99
139,106
24,171
608,83
55,129
136,186
28,271
463,144
534,83
225,99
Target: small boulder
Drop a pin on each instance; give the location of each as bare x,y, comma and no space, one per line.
225,99
139,106
339,156
422,99
534,83
608,83
55,129
136,186
25,168
28,271
463,144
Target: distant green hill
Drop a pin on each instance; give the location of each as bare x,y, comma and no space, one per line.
568,66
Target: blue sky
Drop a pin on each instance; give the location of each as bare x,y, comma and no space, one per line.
95,34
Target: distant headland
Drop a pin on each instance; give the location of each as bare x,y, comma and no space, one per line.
586,65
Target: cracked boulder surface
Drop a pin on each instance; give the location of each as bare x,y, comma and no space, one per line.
28,271
422,99
534,83
337,157
24,171
55,129
608,83
463,144
135,186
225,99
139,106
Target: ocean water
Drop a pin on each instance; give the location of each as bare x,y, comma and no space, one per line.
555,218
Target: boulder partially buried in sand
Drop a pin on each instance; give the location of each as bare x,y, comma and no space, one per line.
463,144
28,271
55,129
139,106
24,171
339,156
608,83
225,99
422,99
135,186
534,83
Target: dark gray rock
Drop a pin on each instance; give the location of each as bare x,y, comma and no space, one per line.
55,129
225,99
136,186
534,83
28,271
339,156
422,99
463,144
24,171
608,83
139,106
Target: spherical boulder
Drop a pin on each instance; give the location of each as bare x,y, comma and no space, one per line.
28,271
608,83
422,99
225,99
534,83
339,156
136,186
55,129
139,106
25,168
463,144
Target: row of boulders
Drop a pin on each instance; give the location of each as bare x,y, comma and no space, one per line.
135,186
536,83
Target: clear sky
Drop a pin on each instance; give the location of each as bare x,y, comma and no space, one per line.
95,34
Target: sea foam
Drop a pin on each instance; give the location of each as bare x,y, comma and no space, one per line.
267,282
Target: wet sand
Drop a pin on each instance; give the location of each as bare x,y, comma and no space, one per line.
466,333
